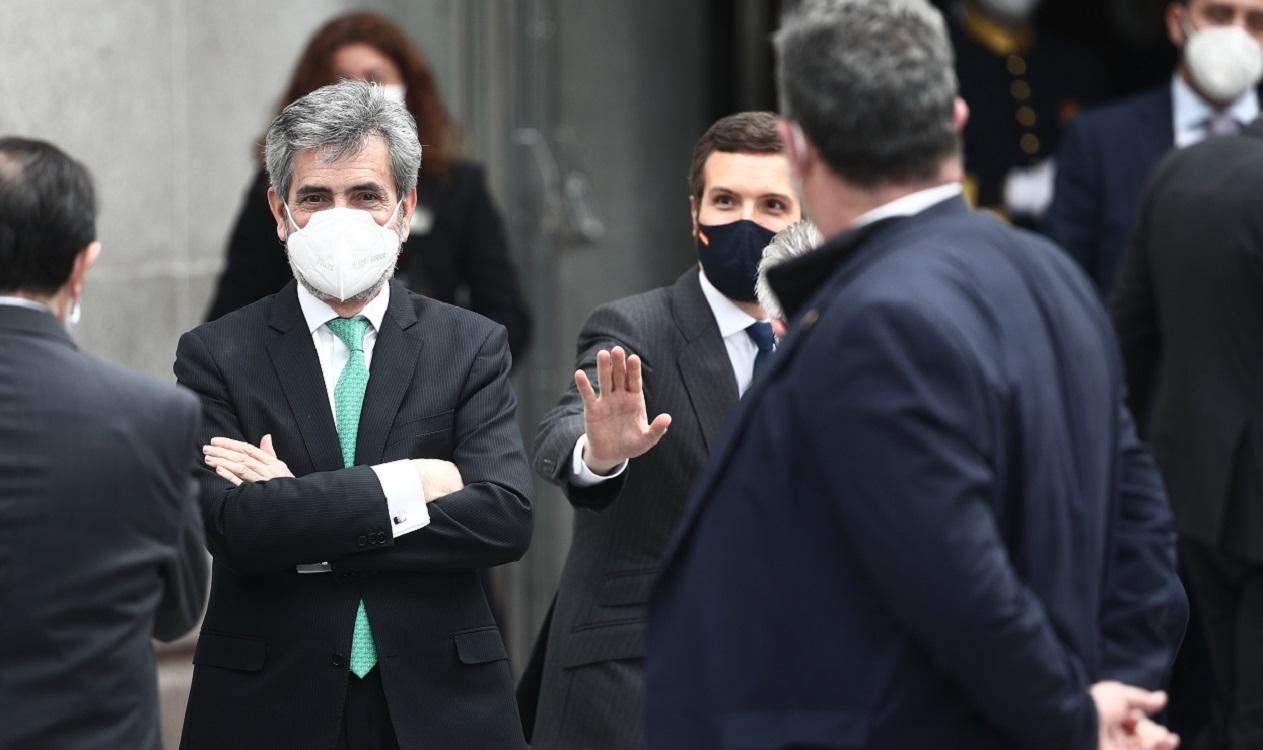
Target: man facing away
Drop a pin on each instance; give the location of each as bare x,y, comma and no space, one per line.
929,523
1187,308
363,463
101,546
685,353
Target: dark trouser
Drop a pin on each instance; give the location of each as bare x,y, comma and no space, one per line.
366,717
1230,592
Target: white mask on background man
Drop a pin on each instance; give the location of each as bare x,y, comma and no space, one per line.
394,92
1223,61
343,251
1013,12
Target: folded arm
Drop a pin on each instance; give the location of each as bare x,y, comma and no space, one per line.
285,521
488,522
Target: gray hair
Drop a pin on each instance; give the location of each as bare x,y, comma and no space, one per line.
873,85
792,241
339,120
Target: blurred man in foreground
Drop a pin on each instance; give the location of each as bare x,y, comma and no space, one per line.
930,522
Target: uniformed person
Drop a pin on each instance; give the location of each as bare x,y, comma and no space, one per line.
1021,87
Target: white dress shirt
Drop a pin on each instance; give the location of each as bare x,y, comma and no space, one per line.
405,498
732,322
910,204
1194,117
29,304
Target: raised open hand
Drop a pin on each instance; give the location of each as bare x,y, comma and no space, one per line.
617,425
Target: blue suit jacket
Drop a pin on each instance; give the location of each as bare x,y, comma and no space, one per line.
930,523
1105,159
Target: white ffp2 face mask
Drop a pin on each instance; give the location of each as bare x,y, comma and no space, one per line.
1010,11
1223,61
343,251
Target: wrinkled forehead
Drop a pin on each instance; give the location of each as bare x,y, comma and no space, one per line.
339,169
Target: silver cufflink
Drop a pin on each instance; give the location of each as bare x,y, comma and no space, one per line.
399,520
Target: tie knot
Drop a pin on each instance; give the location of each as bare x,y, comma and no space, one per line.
761,334
350,330
1222,123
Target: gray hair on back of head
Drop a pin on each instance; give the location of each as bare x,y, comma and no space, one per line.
873,85
338,120
792,241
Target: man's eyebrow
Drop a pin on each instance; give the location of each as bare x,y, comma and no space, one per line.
371,185
311,190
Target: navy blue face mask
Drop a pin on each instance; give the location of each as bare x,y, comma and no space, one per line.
730,255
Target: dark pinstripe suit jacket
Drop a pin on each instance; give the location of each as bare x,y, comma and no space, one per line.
272,657
623,526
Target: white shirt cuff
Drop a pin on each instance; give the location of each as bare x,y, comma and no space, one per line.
405,498
581,475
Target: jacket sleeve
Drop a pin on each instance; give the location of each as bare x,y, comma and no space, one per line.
256,264
186,573
913,494
1145,609
561,427
487,523
486,267
283,522
1074,219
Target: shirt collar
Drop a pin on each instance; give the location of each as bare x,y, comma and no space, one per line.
1191,111
731,319
909,205
317,312
29,304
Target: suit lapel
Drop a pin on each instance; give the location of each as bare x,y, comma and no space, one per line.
394,363
294,357
704,365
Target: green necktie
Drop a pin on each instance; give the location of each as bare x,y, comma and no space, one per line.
348,398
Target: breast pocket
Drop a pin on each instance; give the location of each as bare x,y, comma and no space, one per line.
427,437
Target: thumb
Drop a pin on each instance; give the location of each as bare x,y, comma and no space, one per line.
659,426
266,445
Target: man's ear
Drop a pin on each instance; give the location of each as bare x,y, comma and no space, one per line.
693,209
278,212
796,147
960,115
84,261
407,208
1174,17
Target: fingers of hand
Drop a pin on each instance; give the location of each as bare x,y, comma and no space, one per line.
635,383
604,367
266,446
245,465
618,369
585,389
221,471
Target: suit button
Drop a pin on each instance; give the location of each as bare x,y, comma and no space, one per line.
361,540
339,660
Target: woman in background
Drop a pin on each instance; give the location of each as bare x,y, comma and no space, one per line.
456,252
